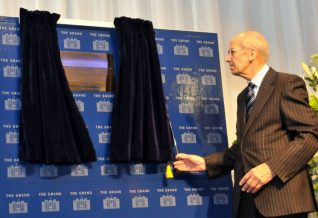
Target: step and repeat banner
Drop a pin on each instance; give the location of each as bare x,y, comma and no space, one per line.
193,90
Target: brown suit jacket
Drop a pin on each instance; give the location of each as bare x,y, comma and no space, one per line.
281,131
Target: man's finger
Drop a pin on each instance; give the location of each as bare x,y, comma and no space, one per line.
245,178
258,187
181,156
178,163
252,184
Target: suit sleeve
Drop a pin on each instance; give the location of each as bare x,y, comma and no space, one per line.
301,124
220,163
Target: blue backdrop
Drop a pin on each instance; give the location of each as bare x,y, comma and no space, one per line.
192,85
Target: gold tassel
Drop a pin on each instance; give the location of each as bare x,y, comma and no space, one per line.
169,173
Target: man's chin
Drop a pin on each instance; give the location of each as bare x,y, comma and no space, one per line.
235,73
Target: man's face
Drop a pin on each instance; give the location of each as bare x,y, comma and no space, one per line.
237,58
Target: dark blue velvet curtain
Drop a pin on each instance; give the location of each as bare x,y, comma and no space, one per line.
52,130
140,126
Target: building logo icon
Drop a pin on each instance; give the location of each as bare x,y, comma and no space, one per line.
10,39
163,78
188,138
81,204
181,50
109,170
139,202
208,80
12,137
80,105
111,203
72,43
211,109
104,106
194,200
186,108
100,45
137,169
167,201
48,171
213,138
17,207
12,71
159,48
205,51
220,199
50,206
79,170
183,79
16,171
104,137
12,104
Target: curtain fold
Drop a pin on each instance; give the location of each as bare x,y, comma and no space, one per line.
140,126
52,130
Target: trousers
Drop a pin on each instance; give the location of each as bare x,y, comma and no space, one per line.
247,209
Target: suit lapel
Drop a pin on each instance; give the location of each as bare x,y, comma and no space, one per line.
241,111
265,91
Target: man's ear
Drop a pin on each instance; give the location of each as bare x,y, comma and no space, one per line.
252,55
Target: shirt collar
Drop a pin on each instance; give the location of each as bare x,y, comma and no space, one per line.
258,78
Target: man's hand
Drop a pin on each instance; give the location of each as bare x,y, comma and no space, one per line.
256,178
189,162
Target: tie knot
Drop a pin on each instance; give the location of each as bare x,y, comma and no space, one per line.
251,85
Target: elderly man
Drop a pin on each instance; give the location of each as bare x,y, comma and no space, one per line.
277,134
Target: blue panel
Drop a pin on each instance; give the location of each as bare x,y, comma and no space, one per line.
192,86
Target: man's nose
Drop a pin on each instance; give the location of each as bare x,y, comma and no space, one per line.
227,58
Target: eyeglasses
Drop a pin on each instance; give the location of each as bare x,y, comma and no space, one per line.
232,51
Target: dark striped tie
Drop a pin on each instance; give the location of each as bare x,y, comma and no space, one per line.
250,98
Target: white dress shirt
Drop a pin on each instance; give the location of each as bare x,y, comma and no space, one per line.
258,78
